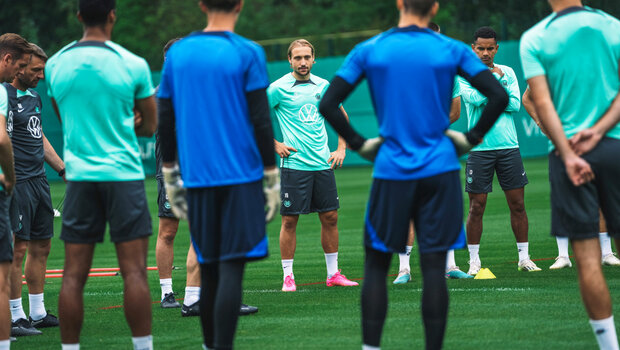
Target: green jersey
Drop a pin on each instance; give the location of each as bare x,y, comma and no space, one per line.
456,89
578,50
296,106
503,135
4,110
95,85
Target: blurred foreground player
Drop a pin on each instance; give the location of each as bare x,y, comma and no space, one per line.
583,172
416,174
96,84
214,113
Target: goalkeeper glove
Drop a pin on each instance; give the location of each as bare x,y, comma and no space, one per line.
271,189
370,148
175,191
462,142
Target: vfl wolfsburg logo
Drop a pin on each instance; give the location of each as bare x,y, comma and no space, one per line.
9,124
167,205
470,179
287,204
309,114
318,96
34,126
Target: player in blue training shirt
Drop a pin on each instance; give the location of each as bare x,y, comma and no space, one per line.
15,54
96,84
217,104
585,108
410,72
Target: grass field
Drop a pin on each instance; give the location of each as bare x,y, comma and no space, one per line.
518,310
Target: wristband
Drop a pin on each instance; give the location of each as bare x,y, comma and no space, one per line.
61,173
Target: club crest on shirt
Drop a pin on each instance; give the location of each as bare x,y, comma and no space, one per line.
318,96
9,124
504,82
34,126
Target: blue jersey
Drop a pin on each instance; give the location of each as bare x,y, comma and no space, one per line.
207,76
411,73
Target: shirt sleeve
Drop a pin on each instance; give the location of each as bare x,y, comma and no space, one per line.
165,89
4,101
352,69
144,82
456,89
272,96
512,88
469,64
470,95
530,57
256,71
48,74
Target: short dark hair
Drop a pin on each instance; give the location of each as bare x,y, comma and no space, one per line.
221,5
38,52
95,12
434,27
169,44
419,7
485,33
14,44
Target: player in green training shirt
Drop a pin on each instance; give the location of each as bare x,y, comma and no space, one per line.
570,60
307,178
14,57
498,153
96,84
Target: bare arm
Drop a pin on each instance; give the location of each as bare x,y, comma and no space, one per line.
148,110
585,140
455,109
51,157
336,158
528,104
578,169
7,179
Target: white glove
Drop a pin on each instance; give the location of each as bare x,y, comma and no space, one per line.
271,189
459,141
175,191
370,148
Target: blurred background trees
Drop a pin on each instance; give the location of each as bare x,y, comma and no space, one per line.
334,26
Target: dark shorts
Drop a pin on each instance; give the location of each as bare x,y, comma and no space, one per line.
89,205
228,222
164,210
575,210
481,165
305,192
36,213
6,229
435,204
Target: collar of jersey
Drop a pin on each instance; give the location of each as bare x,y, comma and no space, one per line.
411,28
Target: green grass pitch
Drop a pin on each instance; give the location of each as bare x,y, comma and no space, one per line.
518,310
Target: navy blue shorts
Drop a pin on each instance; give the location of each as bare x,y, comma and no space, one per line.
89,205
228,222
164,210
434,203
481,165
6,229
575,209
36,213
304,192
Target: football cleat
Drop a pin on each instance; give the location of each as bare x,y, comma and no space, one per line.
48,321
289,284
339,279
247,310
527,265
404,276
611,260
474,267
455,273
560,263
169,302
22,327
191,310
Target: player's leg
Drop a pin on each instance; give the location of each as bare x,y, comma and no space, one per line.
164,249
39,247
191,302
437,213
17,312
562,259
228,302
404,269
374,296
5,313
78,260
512,178
209,284
479,169
288,242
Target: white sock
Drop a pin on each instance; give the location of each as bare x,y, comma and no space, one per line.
405,258
166,286
192,295
331,261
5,344
562,246
473,252
142,343
450,262
71,346
37,306
368,347
17,311
605,333
523,249
605,243
287,268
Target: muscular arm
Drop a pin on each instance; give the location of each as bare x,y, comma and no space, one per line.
455,109
528,104
148,110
